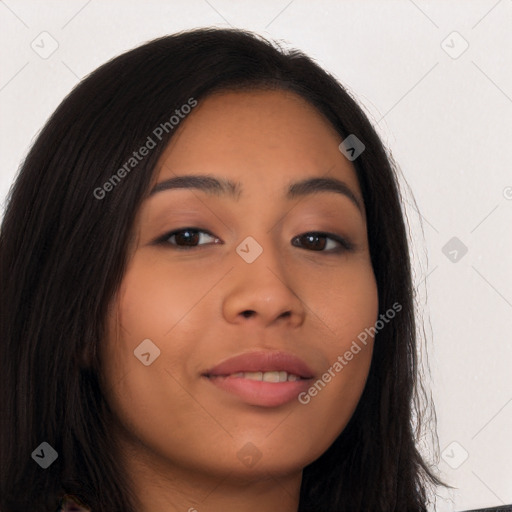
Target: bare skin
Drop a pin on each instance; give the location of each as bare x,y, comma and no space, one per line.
189,445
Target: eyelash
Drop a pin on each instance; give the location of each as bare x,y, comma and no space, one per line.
344,245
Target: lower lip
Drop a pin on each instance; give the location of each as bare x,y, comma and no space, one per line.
266,394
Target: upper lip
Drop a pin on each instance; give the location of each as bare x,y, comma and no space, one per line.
261,362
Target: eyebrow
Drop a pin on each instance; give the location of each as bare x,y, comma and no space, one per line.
218,186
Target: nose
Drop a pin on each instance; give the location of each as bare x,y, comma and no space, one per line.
261,293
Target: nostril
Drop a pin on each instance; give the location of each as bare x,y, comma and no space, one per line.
247,313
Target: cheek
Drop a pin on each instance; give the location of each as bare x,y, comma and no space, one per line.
146,400
148,306
150,302
341,302
160,300
347,308
354,297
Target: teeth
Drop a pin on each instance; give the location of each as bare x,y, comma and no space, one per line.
271,377
274,376
253,375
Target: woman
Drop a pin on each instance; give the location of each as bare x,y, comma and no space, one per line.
206,294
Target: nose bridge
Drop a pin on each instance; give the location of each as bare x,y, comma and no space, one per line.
260,259
261,283
260,250
259,231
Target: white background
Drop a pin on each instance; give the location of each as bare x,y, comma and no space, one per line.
447,119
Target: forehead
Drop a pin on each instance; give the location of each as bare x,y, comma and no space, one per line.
261,138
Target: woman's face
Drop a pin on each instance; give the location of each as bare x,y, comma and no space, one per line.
255,280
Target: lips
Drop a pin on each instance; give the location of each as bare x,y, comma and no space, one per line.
262,362
266,379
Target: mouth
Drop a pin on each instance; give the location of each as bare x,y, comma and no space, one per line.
267,379
269,376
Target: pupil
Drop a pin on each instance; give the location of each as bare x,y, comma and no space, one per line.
311,239
186,236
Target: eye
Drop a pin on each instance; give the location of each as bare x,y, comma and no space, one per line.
322,242
187,238
190,238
